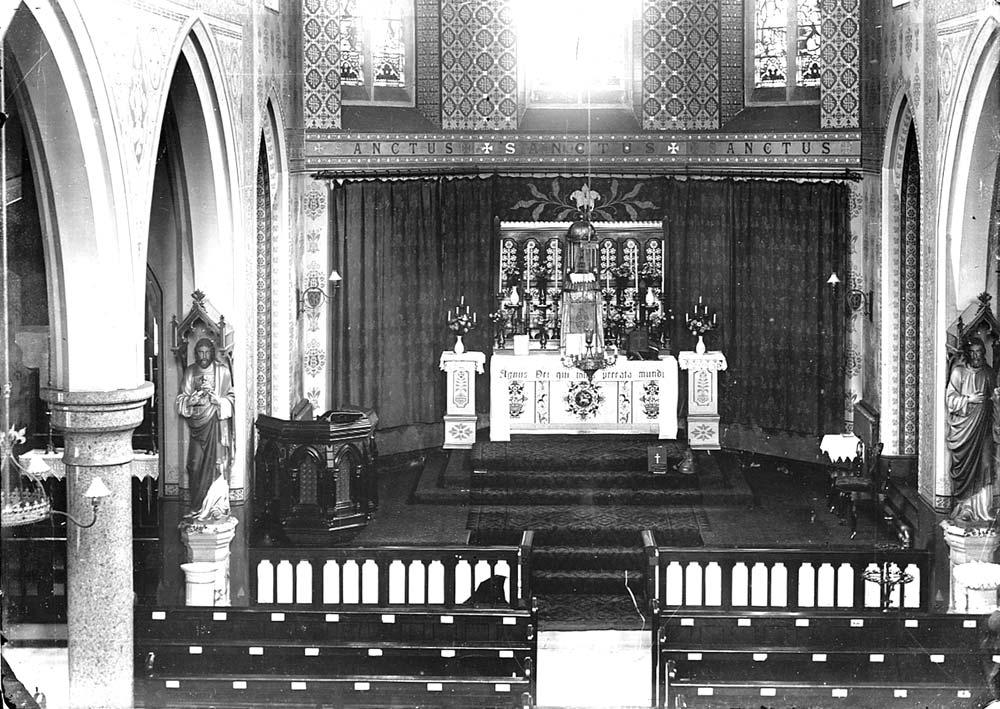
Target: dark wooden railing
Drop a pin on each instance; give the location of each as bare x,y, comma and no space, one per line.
388,575
788,579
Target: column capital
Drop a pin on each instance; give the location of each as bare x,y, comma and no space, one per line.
97,425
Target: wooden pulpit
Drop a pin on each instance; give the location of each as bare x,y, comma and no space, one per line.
315,482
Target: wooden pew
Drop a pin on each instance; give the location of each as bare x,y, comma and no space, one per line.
774,659
352,627
462,657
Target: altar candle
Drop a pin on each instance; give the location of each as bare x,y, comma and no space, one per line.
462,301
713,317
473,318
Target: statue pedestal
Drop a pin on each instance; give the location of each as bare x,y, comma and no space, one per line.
703,397
966,545
206,574
460,419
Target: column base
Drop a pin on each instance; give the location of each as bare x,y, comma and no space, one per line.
966,544
703,432
459,431
207,544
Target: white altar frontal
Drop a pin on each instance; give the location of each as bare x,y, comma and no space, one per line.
537,394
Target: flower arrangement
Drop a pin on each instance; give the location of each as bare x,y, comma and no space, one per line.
701,322
498,317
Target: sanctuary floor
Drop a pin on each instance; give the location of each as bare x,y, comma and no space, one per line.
788,507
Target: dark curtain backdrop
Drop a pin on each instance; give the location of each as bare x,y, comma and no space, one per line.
407,251
757,251
760,253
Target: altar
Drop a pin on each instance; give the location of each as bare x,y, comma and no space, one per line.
536,394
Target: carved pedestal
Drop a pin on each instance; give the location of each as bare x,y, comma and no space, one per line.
703,397
460,419
966,545
206,574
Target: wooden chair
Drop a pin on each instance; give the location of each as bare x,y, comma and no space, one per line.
861,484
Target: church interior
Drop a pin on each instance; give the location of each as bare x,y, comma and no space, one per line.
490,353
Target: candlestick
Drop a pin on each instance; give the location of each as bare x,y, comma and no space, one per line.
462,301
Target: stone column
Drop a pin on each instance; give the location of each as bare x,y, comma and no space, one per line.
97,427
460,420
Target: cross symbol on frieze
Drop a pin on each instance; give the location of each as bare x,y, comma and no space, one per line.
657,458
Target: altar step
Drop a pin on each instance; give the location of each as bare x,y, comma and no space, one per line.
575,453
583,496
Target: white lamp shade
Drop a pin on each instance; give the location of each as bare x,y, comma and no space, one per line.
335,277
840,446
37,466
97,489
833,279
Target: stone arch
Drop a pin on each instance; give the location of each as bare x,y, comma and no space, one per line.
194,243
94,285
969,144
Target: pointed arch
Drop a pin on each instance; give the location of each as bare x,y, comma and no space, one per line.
900,127
70,136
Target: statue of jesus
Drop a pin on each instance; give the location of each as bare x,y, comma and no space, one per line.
206,400
970,435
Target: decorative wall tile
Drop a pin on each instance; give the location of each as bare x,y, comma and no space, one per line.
428,98
478,66
680,56
840,81
909,305
320,64
731,49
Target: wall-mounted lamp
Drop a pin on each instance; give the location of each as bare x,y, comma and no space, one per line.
96,492
856,299
312,297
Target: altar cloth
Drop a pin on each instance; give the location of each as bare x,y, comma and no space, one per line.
536,394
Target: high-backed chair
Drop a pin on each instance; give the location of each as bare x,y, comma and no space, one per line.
861,484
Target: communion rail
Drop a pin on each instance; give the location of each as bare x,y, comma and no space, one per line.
788,579
445,575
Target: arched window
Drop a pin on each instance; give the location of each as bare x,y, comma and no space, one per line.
783,48
576,53
376,52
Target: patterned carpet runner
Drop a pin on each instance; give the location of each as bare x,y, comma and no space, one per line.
587,498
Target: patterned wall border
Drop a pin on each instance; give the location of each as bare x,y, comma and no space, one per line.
428,77
478,36
424,152
840,82
680,62
731,76
853,371
315,270
264,243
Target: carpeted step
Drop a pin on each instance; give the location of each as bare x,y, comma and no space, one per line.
568,453
574,479
490,536
585,496
610,558
589,582
576,611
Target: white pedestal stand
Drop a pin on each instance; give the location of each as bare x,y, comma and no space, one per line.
703,397
206,574
460,419
966,545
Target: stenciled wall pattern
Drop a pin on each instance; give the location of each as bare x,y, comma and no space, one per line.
321,64
680,65
840,49
478,65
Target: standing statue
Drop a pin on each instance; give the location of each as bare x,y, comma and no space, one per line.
206,400
971,430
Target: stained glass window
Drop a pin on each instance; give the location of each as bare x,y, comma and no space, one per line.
376,50
587,62
785,37
770,45
807,43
